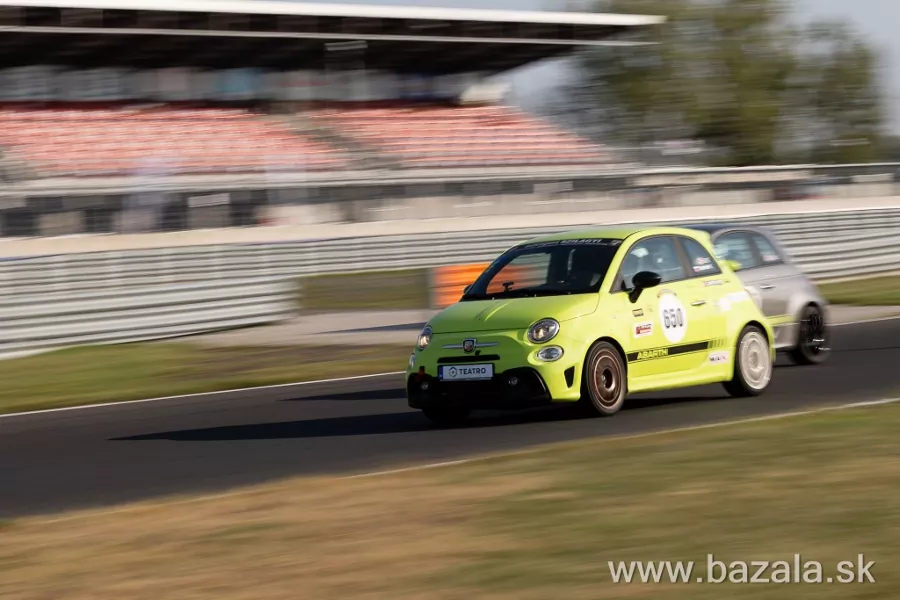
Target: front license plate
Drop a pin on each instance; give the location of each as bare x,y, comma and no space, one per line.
466,372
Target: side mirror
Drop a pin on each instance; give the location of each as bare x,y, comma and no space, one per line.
734,265
642,281
466,289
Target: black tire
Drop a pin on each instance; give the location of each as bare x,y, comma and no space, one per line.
446,416
752,364
604,380
812,338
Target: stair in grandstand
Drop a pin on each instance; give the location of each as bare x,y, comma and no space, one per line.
362,156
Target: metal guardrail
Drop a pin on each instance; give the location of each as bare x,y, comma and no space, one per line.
69,206
112,297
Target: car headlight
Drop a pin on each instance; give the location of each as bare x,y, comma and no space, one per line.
412,360
543,331
424,338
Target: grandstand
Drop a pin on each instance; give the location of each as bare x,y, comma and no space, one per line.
98,89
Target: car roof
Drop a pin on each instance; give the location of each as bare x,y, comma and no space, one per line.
713,228
613,232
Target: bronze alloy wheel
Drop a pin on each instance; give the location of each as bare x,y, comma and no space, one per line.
604,378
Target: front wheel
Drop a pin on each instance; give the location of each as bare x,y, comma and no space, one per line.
752,364
604,380
446,416
812,338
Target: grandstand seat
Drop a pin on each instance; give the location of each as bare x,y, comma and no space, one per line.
438,136
86,141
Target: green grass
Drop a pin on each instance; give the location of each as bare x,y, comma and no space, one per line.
878,291
376,290
536,525
115,373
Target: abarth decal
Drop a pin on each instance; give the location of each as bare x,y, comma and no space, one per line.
666,352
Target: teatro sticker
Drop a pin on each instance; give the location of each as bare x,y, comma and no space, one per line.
673,318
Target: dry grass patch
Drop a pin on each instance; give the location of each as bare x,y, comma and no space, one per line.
99,374
536,525
877,291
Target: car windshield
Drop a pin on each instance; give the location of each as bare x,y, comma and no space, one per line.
546,269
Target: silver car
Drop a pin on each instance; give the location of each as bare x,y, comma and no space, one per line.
791,301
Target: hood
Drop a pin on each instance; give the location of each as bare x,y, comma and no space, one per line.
512,313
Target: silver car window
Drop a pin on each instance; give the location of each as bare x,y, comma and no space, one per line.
736,246
767,251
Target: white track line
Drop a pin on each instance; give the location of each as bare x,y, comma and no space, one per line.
635,436
201,394
866,321
283,385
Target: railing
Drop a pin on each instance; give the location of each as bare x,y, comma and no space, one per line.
112,297
128,204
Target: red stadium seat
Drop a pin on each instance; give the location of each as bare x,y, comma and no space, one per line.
435,136
109,141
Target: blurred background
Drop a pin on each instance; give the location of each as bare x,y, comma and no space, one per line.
244,146
130,119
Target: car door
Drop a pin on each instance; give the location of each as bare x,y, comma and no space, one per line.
706,283
666,324
776,279
735,245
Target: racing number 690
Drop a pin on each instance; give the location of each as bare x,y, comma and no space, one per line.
673,317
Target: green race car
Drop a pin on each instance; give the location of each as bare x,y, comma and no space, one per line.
588,317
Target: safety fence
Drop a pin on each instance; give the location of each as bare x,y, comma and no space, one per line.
51,208
114,297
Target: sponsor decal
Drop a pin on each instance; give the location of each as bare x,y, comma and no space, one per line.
638,313
713,282
643,330
673,318
718,357
581,242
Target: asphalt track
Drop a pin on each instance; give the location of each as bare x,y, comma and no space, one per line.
100,456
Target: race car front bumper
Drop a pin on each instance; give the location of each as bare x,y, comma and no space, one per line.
517,388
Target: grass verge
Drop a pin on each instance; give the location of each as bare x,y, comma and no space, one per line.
100,374
879,291
377,290
537,525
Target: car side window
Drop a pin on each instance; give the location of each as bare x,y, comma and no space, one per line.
702,264
657,254
767,250
736,246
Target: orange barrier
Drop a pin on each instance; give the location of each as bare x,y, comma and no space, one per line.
448,283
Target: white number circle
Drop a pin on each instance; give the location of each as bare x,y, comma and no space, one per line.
673,318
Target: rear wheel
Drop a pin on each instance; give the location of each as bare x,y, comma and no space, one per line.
604,380
812,338
446,415
752,364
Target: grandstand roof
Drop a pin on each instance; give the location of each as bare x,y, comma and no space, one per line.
402,39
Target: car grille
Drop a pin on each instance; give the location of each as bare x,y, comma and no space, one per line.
459,360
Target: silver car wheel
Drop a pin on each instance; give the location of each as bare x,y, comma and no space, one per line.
755,361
